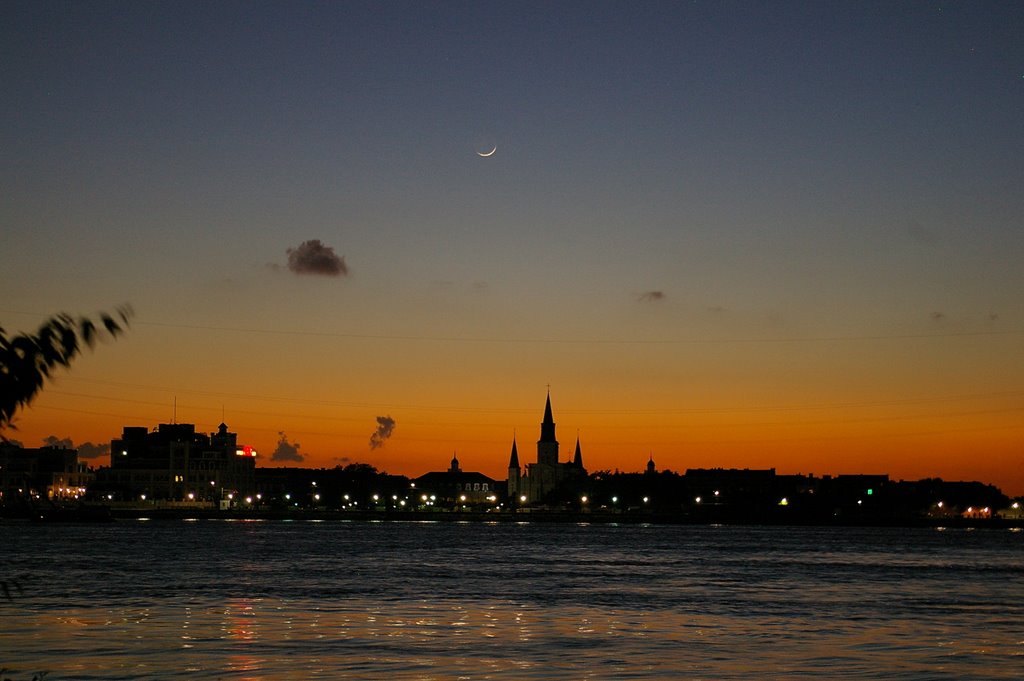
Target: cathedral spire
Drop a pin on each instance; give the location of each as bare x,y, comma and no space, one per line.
513,460
577,459
547,445
547,428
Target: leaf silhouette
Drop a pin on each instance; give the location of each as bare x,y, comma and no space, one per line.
27,360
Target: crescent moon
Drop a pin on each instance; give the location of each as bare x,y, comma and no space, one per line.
489,153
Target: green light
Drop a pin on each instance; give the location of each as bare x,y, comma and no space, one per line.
870,492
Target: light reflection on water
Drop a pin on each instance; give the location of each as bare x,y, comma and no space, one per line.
277,600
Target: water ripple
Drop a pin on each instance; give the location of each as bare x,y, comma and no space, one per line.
278,600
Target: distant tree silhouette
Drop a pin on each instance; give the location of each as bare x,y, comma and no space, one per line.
27,360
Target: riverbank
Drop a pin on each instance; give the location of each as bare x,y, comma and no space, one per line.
782,516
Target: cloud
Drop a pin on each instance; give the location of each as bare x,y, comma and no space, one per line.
313,257
938,316
921,234
286,451
651,296
385,426
86,450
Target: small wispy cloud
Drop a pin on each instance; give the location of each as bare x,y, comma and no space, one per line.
385,427
937,316
651,296
921,233
313,257
286,451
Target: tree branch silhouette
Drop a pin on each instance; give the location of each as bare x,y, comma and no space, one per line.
28,360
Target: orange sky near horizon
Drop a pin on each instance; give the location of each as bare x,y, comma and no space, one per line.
799,406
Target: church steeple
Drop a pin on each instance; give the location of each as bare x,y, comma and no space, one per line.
547,428
547,445
577,458
515,474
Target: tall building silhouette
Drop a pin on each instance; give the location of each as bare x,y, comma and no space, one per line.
174,461
548,473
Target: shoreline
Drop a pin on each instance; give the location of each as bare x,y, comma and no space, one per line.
90,514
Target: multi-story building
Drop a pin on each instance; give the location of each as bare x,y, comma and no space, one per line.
175,462
53,473
456,487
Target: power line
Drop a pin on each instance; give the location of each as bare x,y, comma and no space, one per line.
817,406
584,341
565,341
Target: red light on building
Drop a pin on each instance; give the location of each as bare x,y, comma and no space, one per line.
246,450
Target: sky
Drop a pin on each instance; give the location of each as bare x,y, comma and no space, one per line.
722,234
